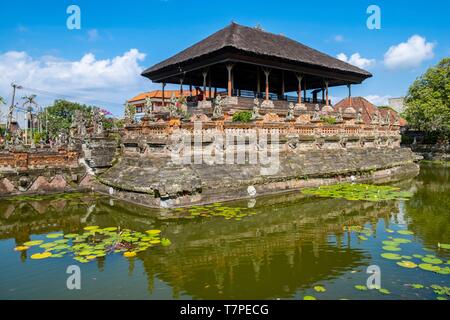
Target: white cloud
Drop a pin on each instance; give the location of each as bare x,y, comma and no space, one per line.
89,79
339,38
93,35
378,100
356,60
409,54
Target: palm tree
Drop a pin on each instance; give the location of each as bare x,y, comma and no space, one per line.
29,102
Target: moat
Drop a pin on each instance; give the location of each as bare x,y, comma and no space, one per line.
282,247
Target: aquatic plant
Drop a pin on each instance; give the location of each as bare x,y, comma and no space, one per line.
218,210
94,243
354,192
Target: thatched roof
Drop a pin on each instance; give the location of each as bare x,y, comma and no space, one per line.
259,42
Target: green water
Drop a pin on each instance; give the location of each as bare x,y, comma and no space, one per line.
289,245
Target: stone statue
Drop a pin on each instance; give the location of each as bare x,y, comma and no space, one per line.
78,123
255,112
97,121
148,109
339,116
388,118
316,114
375,119
397,120
290,114
129,114
359,118
218,112
173,110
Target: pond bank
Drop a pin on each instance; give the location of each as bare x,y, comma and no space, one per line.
154,181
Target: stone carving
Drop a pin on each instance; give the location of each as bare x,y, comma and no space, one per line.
218,112
293,143
271,117
316,114
255,112
387,120
327,109
97,121
78,124
199,118
300,107
339,117
397,120
359,118
267,104
375,119
290,114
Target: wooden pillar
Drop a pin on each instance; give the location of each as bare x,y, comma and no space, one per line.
229,68
282,84
163,85
258,78
304,91
323,94
326,88
215,92
209,83
204,73
181,86
299,92
350,93
267,73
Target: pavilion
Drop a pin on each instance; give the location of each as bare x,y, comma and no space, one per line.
245,62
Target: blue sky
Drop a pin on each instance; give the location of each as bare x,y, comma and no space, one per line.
101,62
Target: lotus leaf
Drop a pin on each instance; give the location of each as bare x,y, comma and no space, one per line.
405,232
407,264
429,267
40,256
391,248
320,289
391,256
33,243
432,260
21,248
129,254
361,287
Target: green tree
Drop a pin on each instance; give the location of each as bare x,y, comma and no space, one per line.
428,101
58,116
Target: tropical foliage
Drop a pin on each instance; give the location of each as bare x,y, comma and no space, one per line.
59,115
428,101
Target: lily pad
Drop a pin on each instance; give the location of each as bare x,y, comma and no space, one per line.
361,287
391,256
407,264
320,289
384,291
309,298
432,260
21,248
391,248
40,256
33,243
91,228
429,267
54,235
129,254
405,232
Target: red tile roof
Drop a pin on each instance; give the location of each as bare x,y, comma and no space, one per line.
367,109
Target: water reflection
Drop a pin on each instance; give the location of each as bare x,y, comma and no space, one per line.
291,243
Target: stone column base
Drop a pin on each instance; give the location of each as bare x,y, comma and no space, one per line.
327,109
268,104
300,107
230,101
204,104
